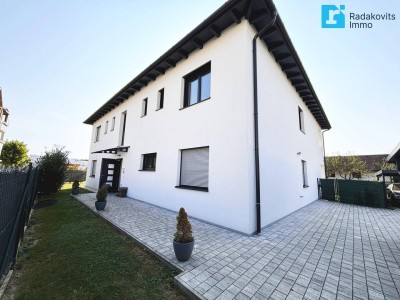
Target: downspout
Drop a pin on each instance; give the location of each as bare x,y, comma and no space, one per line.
323,145
256,149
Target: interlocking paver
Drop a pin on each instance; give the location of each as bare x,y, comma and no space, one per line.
325,250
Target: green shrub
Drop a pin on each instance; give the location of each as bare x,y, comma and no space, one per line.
102,193
14,154
183,232
52,165
75,185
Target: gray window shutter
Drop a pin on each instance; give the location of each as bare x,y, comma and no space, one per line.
194,168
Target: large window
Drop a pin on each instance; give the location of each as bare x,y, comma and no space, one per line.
301,120
194,169
97,134
304,170
93,168
197,85
149,162
160,101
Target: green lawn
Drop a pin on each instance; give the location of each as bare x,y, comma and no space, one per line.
69,253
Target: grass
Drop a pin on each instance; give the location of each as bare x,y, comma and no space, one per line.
70,253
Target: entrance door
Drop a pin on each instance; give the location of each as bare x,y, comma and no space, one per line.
110,173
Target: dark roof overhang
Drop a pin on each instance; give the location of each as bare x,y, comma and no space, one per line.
113,150
394,155
387,173
258,13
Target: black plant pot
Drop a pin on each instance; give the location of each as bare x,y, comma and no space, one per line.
100,205
183,251
75,191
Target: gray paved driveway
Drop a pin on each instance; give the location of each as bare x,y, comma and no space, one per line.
326,250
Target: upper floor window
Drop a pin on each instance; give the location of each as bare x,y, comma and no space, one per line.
144,107
97,134
112,124
160,100
122,132
301,120
106,127
197,85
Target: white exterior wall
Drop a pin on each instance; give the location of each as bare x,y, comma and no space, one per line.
282,145
220,123
225,124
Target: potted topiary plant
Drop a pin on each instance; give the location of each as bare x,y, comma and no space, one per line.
101,197
183,241
75,187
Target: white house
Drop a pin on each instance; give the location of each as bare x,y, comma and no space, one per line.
193,130
4,113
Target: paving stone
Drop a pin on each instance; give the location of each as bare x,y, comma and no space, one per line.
321,250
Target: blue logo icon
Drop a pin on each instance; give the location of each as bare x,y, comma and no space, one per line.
333,16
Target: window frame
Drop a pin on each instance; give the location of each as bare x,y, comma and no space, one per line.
106,128
93,168
112,124
97,134
190,187
304,173
196,75
160,99
301,120
149,156
144,107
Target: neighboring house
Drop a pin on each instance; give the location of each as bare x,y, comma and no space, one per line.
394,157
4,113
182,133
373,162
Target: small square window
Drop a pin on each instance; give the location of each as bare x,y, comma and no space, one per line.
144,107
301,120
149,162
197,85
160,101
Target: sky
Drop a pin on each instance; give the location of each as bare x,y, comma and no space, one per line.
61,60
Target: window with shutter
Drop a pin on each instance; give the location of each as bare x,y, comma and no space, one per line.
194,168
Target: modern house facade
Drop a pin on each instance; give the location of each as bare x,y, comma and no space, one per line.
4,113
194,131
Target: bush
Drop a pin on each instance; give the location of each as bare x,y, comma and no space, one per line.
14,154
75,185
102,193
72,174
183,232
53,165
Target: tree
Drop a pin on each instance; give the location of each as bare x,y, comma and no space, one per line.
14,154
53,165
347,167
387,166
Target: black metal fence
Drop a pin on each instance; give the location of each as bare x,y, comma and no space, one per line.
366,193
18,189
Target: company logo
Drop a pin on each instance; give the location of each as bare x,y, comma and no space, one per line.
333,16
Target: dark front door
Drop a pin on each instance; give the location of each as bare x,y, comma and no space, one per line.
110,173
